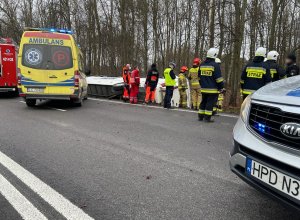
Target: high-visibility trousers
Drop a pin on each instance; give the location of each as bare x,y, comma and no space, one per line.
150,94
196,98
126,93
134,91
182,98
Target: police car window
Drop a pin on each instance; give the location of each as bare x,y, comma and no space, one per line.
47,57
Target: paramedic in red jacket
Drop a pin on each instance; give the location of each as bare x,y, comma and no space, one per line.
134,85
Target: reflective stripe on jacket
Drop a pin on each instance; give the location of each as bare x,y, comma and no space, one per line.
211,79
182,82
276,71
254,76
194,78
135,77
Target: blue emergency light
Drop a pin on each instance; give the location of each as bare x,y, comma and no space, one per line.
63,31
54,30
260,127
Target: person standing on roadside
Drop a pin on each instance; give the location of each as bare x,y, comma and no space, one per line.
170,83
126,80
276,71
134,85
256,73
291,67
212,83
151,84
195,84
182,87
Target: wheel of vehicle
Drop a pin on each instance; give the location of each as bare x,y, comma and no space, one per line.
78,103
30,102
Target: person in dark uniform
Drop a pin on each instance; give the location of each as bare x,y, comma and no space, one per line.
151,84
170,83
291,67
212,83
276,71
256,73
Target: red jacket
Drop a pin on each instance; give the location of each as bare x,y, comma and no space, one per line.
135,77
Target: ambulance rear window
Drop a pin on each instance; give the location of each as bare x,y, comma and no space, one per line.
47,57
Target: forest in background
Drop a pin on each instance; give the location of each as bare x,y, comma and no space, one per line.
112,33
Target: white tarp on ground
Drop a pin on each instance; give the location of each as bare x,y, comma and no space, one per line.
110,81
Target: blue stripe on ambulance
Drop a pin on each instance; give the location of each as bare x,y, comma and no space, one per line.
47,84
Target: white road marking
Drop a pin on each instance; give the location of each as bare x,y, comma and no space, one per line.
19,202
22,101
56,200
157,107
58,109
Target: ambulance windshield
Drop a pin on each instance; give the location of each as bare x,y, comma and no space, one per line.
47,57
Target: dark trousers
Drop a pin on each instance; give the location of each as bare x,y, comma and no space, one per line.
168,96
207,104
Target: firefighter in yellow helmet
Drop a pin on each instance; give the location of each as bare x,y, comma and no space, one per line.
182,87
195,84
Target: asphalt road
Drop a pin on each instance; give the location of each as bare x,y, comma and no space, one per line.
109,160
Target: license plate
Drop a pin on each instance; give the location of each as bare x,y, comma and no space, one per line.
274,178
39,90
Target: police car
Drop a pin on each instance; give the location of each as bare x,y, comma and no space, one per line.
266,152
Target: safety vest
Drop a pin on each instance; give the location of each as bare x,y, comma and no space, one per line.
168,80
194,78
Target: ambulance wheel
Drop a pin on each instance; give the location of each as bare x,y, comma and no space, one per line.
30,102
78,103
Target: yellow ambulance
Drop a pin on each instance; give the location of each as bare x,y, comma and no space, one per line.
50,67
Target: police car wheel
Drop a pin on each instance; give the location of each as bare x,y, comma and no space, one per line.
30,102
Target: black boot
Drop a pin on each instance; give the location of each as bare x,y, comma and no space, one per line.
208,119
200,117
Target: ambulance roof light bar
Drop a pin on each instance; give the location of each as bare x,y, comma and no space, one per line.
54,30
